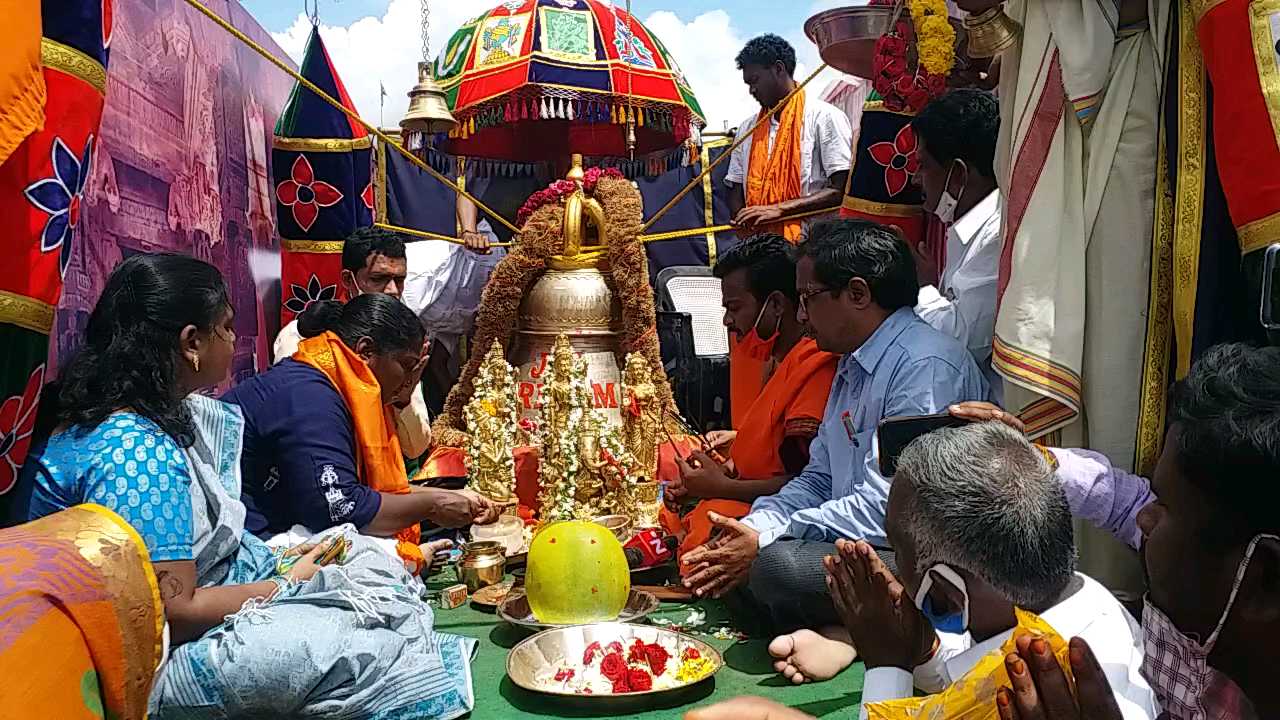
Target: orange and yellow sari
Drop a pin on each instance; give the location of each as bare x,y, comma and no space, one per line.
81,621
379,461
791,404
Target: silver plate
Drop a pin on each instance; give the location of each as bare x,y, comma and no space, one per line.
550,650
515,609
846,37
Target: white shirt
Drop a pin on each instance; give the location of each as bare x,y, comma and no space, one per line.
413,424
444,284
826,145
964,303
1092,614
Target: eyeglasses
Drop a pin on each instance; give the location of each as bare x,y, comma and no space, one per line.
804,297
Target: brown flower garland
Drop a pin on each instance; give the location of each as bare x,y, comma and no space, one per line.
541,237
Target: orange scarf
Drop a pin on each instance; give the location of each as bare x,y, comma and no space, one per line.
379,461
773,177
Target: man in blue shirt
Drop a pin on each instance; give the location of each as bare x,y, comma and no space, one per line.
857,285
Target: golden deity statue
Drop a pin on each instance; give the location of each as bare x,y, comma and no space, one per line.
492,417
641,416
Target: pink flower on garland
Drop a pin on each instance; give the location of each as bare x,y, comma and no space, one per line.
898,158
305,195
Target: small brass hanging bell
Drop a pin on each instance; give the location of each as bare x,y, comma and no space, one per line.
428,111
991,32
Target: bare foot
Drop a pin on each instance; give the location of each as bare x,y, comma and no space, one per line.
806,656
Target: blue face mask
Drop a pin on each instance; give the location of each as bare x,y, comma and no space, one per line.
956,622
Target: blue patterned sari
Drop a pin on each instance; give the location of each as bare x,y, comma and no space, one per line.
355,642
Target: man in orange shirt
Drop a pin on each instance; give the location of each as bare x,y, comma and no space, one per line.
775,421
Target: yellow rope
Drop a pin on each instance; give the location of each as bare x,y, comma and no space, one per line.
345,111
691,232
426,235
742,137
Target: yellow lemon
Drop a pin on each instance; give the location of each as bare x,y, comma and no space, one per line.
576,574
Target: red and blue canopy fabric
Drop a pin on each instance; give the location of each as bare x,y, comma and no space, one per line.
533,79
321,162
41,186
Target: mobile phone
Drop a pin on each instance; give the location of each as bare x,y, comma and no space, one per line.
896,433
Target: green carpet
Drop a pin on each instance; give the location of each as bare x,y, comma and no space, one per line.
747,671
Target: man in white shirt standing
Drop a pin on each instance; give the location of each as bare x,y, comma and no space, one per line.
796,159
956,136
373,261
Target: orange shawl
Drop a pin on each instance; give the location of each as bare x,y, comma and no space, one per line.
792,402
379,461
773,177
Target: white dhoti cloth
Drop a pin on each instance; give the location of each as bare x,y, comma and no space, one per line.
1077,162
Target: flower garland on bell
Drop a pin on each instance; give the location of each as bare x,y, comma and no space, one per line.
560,190
905,89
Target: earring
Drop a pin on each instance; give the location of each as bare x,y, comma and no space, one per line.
195,363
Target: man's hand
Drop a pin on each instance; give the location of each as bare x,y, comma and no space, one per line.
483,510
750,218
884,624
1041,691
723,562
978,411
746,708
476,242
721,439
926,265
701,476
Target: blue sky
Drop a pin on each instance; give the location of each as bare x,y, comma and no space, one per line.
376,43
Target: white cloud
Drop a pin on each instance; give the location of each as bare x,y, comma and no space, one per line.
383,50
386,50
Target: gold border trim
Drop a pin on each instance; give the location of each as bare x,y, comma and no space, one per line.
333,145
315,247
71,61
708,206
878,106
1259,234
1154,393
380,185
883,209
1189,201
26,312
1264,52
1200,8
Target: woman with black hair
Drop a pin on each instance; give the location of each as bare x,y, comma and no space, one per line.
134,436
320,445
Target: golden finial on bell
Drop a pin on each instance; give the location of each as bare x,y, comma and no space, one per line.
991,32
428,111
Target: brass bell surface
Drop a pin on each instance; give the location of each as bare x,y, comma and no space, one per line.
428,111
991,32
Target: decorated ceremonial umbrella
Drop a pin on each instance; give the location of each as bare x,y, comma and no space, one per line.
537,79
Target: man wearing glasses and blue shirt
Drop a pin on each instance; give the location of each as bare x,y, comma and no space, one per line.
857,284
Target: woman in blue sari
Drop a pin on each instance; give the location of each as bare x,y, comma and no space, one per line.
349,640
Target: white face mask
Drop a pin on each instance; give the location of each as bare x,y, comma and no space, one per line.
947,203
1176,664
956,623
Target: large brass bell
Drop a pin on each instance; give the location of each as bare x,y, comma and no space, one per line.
428,111
991,32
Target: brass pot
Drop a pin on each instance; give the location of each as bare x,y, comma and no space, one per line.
481,564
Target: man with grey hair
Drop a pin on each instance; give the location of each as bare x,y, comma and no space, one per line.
980,526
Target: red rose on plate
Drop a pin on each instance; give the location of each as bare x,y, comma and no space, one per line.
639,680
590,653
690,654
620,685
613,667
636,653
614,647
657,657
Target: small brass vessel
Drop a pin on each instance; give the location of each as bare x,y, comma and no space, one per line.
482,564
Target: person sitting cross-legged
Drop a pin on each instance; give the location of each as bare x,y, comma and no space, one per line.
856,284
